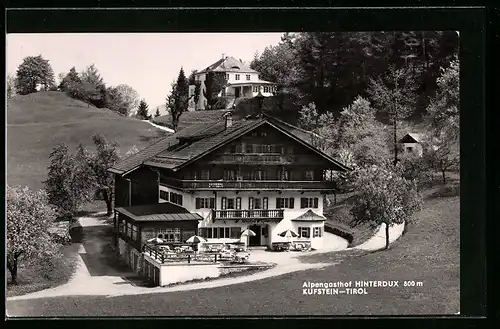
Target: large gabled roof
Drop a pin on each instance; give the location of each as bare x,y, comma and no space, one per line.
412,138
196,141
228,64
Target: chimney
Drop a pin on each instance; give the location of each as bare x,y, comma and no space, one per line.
229,119
223,56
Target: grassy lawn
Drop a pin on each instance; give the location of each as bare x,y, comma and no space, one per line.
340,213
429,253
35,276
189,118
36,123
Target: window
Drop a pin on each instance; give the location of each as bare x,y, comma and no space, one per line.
255,133
223,204
259,175
255,89
238,203
284,174
164,195
169,234
308,203
263,134
309,175
409,149
304,232
205,203
205,174
249,148
236,77
250,203
265,203
176,198
230,203
285,203
129,230
248,77
220,232
134,232
317,232
227,76
229,175
266,89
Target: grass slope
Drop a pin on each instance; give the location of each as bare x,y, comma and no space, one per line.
429,252
189,118
36,123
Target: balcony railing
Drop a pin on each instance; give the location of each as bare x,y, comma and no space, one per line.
249,184
270,214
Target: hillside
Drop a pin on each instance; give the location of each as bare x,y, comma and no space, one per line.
189,118
36,123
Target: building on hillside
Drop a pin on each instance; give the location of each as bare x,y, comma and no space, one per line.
411,143
217,180
242,81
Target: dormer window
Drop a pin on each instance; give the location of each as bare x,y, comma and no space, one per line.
227,76
248,77
236,77
235,67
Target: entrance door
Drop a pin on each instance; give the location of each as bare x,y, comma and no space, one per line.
255,240
237,92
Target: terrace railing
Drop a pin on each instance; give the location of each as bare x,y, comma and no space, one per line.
248,184
163,256
250,214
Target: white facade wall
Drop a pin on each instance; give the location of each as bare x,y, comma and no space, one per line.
176,273
189,202
412,148
230,91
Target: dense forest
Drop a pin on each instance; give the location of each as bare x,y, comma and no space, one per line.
331,69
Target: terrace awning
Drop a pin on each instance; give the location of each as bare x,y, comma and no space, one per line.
158,212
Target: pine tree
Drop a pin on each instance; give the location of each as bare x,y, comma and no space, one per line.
142,111
177,101
157,114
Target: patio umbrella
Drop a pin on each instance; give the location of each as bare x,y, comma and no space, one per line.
247,233
155,240
196,239
288,234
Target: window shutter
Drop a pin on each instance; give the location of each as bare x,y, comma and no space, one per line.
265,203
303,203
291,203
198,203
180,199
238,203
223,205
315,202
278,203
250,203
212,203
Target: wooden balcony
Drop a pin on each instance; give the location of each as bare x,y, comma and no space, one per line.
255,185
248,215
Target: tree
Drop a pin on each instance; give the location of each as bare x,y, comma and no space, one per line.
92,87
394,94
34,72
177,101
196,95
443,111
443,153
384,197
308,117
142,111
69,183
11,86
29,217
129,98
157,113
214,84
106,156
